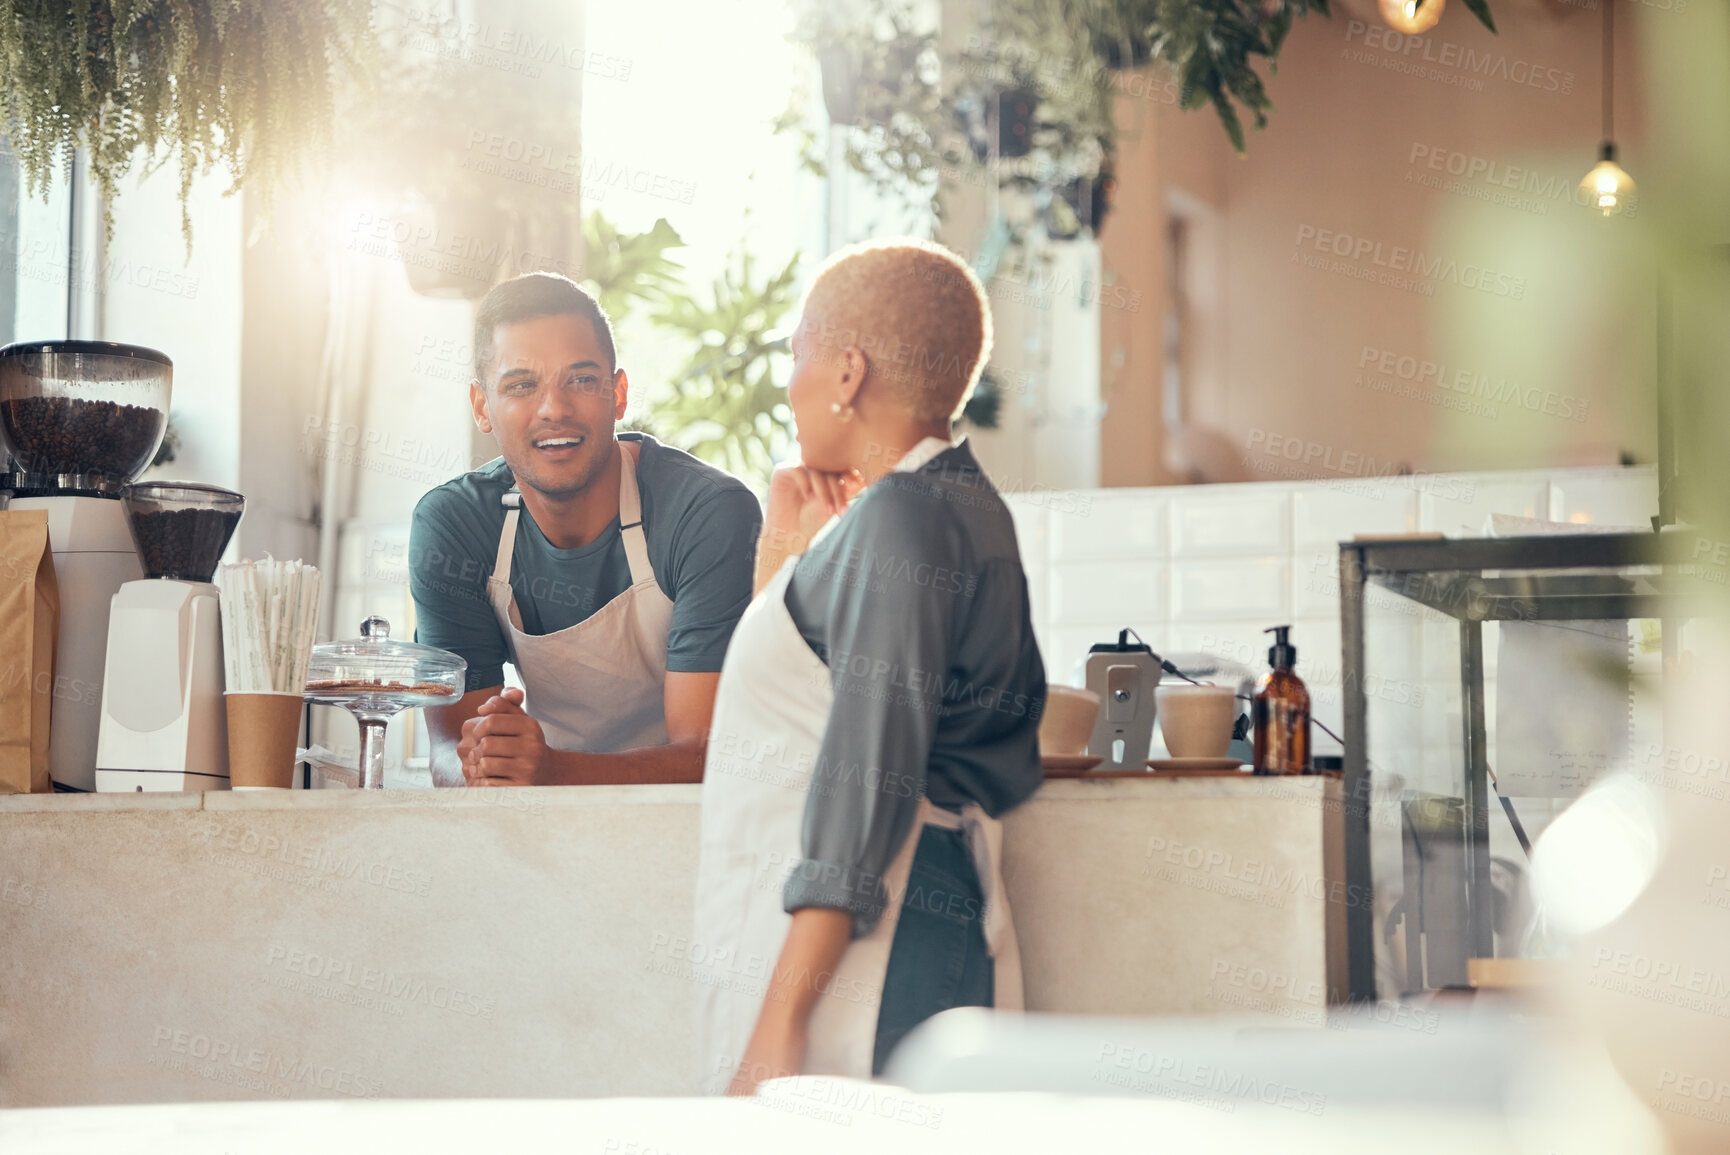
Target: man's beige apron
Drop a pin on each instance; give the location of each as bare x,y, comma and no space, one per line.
770,714
600,684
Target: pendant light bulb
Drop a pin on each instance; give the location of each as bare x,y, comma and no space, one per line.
1411,16
1608,188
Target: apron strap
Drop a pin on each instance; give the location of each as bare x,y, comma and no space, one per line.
631,517
984,837
499,584
512,501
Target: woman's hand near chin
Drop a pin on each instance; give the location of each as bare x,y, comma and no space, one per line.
801,501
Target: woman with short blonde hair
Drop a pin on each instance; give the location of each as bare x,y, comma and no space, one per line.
879,702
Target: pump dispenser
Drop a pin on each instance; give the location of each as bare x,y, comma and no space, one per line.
1281,712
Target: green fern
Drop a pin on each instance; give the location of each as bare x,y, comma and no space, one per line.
245,84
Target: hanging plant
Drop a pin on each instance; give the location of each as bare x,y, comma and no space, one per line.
1039,75
246,84
879,77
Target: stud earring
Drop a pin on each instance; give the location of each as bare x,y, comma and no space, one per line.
844,414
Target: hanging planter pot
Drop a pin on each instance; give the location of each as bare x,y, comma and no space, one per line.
1078,206
1015,109
452,251
838,65
985,407
1122,53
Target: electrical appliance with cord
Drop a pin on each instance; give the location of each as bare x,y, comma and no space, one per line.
164,722
79,420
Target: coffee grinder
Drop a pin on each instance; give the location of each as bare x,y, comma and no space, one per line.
164,723
81,419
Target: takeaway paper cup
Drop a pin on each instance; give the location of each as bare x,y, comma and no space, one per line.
263,731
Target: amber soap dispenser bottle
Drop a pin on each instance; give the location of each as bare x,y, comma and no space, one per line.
1281,712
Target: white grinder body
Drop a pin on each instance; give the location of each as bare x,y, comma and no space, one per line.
93,558
164,723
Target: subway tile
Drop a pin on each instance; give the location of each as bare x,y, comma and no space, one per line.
1241,641
1318,643
1329,514
1106,523
1620,497
1221,590
1315,582
1065,661
1250,519
1032,531
1460,505
1318,664
1105,590
1039,602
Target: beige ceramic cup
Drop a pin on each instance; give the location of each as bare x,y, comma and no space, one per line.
1196,720
263,729
1068,720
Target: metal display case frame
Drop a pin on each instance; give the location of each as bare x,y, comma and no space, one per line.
1477,580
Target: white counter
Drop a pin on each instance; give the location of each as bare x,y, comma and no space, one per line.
321,944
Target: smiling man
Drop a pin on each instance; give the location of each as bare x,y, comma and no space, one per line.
608,568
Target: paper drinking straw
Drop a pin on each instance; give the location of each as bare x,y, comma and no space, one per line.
269,619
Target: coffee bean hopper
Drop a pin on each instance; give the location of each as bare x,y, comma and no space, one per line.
81,419
375,677
164,724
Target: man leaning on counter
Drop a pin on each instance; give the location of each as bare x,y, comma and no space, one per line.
608,568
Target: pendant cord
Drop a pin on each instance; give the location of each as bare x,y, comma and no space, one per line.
1609,69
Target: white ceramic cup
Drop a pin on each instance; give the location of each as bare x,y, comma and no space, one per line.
1067,722
1196,720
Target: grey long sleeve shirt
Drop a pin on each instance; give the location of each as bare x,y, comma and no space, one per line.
918,604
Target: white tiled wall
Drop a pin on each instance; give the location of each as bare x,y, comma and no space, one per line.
1192,567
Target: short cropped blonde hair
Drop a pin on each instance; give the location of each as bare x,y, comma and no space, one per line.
915,310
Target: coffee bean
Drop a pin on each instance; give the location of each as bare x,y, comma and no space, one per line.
52,435
182,543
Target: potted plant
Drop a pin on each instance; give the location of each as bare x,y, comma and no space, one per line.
729,403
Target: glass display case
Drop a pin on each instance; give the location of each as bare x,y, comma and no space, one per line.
1487,683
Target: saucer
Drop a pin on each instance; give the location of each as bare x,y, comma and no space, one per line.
1195,763
1068,765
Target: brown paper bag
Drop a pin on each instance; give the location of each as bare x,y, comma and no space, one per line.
29,627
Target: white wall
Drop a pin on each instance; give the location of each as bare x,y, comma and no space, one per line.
153,294
1209,567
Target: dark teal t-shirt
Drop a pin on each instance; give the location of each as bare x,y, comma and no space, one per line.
700,524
